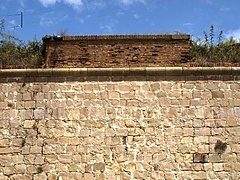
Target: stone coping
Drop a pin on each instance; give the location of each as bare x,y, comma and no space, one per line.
137,71
126,37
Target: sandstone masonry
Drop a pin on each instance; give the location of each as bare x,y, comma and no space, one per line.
116,50
120,123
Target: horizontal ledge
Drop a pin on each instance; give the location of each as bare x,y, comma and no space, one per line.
127,37
131,71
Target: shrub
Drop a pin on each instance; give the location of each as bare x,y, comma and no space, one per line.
15,54
208,51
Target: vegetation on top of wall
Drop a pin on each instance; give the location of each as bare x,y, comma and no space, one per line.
210,51
16,54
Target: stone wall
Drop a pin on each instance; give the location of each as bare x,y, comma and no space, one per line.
116,51
137,123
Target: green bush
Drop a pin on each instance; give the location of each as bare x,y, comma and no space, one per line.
15,54
208,50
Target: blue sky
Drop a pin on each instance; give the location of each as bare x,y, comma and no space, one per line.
96,17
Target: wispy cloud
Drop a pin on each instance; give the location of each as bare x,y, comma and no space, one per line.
109,27
94,4
129,2
2,7
49,19
22,3
235,34
74,3
90,4
12,22
187,24
225,9
136,16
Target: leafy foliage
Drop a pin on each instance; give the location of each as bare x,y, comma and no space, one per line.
206,51
15,54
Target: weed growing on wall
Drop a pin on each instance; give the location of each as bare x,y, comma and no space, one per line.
213,49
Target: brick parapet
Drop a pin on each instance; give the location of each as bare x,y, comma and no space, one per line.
137,71
116,51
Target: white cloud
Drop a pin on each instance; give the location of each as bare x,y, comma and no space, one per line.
22,3
12,22
129,2
48,2
94,4
187,24
49,19
107,29
2,7
89,4
75,3
225,9
136,16
235,34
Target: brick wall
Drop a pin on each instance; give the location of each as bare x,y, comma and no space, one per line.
117,51
137,123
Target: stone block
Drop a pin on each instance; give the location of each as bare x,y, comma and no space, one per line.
65,158
214,158
84,133
88,176
217,94
36,150
9,150
29,124
114,95
5,160
200,158
38,114
155,71
203,131
8,170
27,96
29,104
192,71
109,132
99,167
218,167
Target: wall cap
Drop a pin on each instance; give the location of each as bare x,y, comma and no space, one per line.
129,71
127,37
